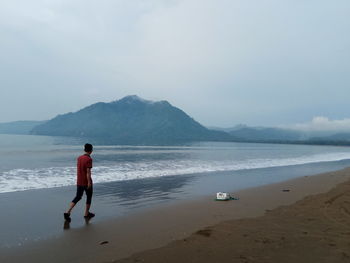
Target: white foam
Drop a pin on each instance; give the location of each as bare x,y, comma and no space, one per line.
25,179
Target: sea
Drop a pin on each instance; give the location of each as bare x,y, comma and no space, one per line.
41,162
38,177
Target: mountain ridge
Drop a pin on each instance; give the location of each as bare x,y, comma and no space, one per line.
130,120
18,127
136,121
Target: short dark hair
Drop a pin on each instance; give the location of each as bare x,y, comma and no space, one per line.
88,147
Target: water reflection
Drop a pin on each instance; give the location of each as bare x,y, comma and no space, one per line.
138,192
66,225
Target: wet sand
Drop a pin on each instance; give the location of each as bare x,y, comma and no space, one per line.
264,225
315,229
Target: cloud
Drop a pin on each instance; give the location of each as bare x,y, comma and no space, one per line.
325,124
223,62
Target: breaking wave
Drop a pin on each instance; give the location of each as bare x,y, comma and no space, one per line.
26,179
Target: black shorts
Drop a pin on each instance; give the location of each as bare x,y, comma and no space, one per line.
80,192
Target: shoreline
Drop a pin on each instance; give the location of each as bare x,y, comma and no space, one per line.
157,227
315,228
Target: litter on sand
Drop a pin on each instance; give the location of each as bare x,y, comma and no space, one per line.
221,196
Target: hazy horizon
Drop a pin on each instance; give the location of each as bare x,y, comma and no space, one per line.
317,124
259,63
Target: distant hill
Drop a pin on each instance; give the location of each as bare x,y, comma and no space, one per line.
237,127
135,121
131,120
18,127
262,134
265,134
244,133
334,139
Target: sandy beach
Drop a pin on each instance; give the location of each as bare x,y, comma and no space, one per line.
304,219
314,229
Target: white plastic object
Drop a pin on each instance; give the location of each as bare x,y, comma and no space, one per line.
222,196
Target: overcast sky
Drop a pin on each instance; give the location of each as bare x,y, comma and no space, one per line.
224,62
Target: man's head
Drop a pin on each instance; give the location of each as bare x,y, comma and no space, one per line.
88,148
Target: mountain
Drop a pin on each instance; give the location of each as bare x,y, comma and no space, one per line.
230,129
130,120
334,139
18,127
244,133
265,134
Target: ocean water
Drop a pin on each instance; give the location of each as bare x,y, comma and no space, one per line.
38,175
40,162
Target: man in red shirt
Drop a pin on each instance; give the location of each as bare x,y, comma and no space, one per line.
84,183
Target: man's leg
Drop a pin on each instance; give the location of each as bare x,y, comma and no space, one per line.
78,196
87,209
71,206
88,192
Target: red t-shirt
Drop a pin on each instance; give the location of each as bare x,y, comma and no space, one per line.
83,162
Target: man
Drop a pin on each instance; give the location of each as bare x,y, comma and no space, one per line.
84,183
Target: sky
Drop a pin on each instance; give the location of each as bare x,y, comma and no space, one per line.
224,62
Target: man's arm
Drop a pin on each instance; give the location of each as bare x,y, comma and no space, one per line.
88,176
